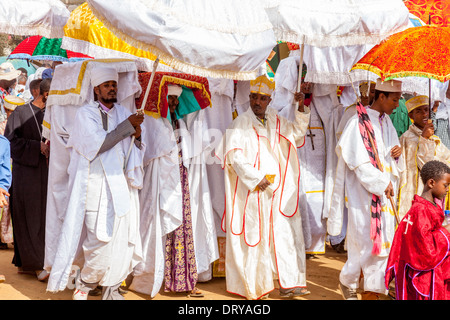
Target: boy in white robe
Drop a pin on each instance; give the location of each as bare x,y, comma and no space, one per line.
419,145
362,180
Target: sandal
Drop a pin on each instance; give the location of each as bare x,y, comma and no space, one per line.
301,292
196,293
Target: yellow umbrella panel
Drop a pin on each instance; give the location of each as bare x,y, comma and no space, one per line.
88,35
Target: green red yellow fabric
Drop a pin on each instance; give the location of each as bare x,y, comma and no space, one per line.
41,48
157,105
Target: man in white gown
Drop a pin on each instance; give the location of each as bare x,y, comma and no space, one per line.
170,180
357,180
317,162
100,228
262,221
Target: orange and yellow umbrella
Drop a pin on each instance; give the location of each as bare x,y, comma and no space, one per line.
437,12
414,52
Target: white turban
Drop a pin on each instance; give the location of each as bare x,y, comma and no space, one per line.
174,90
103,74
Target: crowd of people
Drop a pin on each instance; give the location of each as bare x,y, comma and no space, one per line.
144,210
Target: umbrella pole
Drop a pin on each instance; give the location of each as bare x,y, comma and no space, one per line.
141,109
429,80
300,67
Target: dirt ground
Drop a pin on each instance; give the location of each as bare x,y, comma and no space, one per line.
322,279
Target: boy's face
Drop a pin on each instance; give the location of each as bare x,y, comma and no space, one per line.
440,187
420,116
390,103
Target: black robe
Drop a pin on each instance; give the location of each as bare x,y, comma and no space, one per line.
29,186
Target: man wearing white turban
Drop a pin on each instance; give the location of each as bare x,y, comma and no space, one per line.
103,207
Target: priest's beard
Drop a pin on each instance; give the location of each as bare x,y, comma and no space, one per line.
111,100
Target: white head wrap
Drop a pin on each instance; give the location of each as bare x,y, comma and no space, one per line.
174,90
102,74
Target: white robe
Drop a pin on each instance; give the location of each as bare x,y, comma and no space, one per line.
218,118
312,185
58,121
194,143
121,208
57,127
264,229
356,180
160,202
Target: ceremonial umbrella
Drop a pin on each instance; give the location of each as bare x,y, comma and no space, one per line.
219,39
157,105
436,12
417,52
41,48
32,17
334,33
85,33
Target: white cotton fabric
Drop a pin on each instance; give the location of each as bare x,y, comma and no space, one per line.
312,185
30,17
328,109
264,238
338,22
195,142
356,180
71,83
122,204
58,127
218,118
332,64
102,74
160,202
221,39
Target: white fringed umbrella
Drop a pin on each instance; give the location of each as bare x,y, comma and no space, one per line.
211,38
335,33
33,17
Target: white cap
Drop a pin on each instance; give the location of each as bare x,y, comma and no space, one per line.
174,90
8,72
11,102
102,74
389,86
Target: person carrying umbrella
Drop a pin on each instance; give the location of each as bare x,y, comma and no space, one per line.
369,165
103,197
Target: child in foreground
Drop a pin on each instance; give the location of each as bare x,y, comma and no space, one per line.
418,259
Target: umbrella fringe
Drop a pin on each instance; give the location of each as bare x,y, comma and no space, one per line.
334,40
32,31
93,50
389,76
